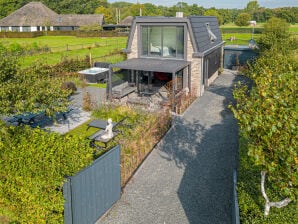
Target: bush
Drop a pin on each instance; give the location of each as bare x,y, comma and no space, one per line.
32,176
251,202
69,86
140,132
267,115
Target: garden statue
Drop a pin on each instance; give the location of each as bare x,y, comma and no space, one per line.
186,91
108,133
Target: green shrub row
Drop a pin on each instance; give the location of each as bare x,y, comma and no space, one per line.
21,34
241,30
251,202
267,115
78,33
33,167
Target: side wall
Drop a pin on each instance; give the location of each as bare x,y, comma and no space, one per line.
134,45
196,72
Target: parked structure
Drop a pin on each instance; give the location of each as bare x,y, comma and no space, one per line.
35,16
181,53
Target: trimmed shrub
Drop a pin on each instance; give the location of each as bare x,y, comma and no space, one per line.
34,164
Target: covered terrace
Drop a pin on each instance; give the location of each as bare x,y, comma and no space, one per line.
147,73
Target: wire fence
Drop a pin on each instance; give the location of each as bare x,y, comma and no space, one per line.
103,43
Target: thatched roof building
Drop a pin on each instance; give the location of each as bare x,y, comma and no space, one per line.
127,21
36,16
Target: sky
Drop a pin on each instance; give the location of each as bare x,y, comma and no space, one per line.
225,4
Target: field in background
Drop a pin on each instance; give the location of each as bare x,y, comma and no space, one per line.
293,27
61,47
58,48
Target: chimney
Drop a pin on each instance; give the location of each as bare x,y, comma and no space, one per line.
179,14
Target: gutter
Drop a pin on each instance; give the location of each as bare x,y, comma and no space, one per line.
202,54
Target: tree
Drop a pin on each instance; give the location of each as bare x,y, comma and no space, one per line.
108,14
214,12
276,35
242,19
252,6
27,90
137,9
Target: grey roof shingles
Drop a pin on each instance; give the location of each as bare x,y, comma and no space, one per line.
200,32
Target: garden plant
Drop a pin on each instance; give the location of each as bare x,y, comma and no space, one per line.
267,116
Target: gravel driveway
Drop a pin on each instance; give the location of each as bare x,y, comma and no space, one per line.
188,176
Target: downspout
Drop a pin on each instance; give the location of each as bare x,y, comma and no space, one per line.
189,78
202,77
173,91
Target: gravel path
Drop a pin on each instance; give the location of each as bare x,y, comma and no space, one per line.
188,176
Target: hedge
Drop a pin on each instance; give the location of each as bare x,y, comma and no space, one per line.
241,30
112,33
32,170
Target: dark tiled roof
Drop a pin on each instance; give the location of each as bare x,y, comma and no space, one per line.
203,41
201,34
152,65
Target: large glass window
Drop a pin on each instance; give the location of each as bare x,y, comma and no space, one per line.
163,41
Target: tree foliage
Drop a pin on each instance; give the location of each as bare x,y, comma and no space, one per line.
28,90
242,19
268,117
276,35
257,13
109,17
214,12
252,6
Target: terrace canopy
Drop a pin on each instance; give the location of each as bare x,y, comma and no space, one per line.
150,65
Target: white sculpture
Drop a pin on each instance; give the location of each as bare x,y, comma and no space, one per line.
186,91
108,131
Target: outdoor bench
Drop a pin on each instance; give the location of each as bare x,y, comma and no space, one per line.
122,90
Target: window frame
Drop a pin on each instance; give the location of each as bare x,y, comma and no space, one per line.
162,25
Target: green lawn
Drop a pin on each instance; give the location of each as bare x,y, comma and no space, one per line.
99,47
293,27
61,41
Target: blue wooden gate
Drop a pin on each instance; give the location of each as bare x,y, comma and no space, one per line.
92,191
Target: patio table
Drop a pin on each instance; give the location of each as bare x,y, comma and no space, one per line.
26,118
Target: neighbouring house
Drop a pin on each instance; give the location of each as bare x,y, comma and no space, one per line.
35,16
123,26
177,54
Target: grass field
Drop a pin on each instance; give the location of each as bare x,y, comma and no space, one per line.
103,46
293,27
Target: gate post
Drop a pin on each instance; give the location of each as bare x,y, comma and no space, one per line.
67,202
